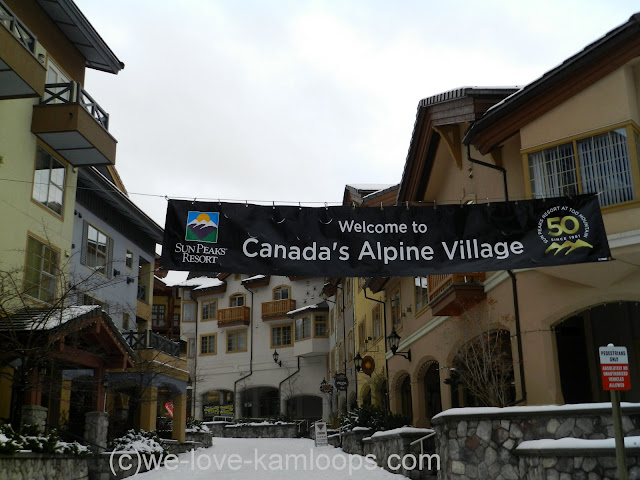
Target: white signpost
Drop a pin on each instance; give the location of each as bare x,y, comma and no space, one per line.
322,439
614,366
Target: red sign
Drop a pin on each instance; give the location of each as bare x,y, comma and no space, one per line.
169,408
614,367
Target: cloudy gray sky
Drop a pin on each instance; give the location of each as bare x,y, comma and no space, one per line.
290,100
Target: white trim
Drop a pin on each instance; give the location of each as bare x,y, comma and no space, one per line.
624,239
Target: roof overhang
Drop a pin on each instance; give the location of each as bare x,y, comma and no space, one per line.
92,179
583,69
75,26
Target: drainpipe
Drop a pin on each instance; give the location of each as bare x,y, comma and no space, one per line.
235,384
386,361
280,384
514,286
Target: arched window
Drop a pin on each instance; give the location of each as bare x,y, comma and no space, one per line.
237,300
282,292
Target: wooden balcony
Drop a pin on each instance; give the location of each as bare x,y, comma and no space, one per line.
231,317
21,74
73,124
277,308
453,294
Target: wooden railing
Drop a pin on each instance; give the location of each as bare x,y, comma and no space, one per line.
17,28
277,308
437,284
149,339
234,315
72,92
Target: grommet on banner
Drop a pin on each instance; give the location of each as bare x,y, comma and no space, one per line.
299,205
326,206
434,205
246,203
219,203
407,204
353,204
381,207
194,201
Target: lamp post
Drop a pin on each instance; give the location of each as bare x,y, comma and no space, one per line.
394,341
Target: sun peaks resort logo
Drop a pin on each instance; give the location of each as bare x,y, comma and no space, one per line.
202,227
564,229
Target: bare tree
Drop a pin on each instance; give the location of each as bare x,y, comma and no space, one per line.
483,367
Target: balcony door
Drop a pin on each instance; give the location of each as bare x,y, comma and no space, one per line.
55,76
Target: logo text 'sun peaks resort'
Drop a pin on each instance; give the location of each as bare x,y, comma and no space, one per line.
202,227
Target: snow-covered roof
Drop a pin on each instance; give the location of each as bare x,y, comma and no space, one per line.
173,278
47,318
315,306
200,283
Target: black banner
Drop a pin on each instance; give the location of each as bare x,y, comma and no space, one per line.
382,241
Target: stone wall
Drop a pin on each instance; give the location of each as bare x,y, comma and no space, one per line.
272,430
40,466
481,443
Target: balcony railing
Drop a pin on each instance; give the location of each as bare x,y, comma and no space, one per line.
277,308
72,92
17,28
437,284
234,316
148,339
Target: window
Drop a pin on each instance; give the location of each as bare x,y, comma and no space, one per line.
89,300
376,315
41,272
189,312
209,310
237,341
421,293
126,319
303,328
320,326
362,335
236,300
128,259
96,250
157,315
48,183
396,319
176,319
281,336
208,344
596,164
191,348
281,293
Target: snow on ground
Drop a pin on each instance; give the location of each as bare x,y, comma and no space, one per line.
268,459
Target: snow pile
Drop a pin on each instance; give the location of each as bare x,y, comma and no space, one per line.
258,424
142,442
32,441
579,444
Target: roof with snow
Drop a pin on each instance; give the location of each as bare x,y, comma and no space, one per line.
316,307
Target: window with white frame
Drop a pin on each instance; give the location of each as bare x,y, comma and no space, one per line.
596,164
303,328
96,250
236,300
48,182
282,292
421,293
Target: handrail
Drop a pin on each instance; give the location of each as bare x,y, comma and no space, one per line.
72,92
17,28
149,339
422,439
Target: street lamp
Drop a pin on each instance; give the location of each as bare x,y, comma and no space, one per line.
394,341
275,357
357,360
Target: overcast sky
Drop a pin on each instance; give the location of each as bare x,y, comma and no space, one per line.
290,100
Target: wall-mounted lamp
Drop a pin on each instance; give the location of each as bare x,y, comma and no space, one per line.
394,341
130,280
275,357
357,360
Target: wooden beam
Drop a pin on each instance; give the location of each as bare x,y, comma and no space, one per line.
79,357
451,135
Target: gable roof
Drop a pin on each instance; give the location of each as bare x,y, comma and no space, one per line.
592,63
